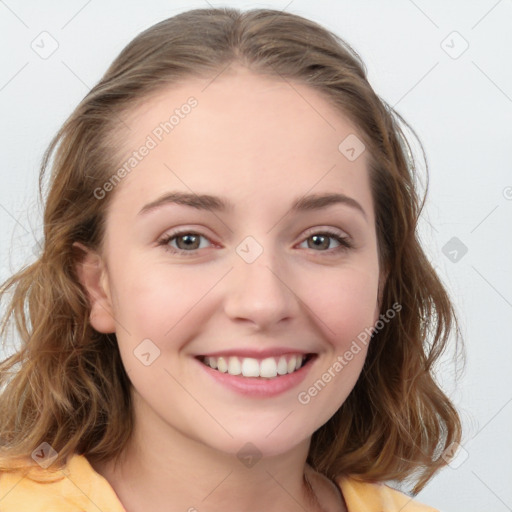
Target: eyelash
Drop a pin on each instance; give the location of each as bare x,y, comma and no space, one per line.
344,241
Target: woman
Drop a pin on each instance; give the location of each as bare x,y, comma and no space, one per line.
241,314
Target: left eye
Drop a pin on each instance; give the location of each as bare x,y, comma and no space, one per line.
323,241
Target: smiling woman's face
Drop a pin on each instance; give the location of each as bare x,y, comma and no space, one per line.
257,279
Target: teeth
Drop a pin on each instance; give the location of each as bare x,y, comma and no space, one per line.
211,362
282,366
268,368
222,366
234,366
250,367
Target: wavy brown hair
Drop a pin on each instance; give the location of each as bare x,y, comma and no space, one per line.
66,384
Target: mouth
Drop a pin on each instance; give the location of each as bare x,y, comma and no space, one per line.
257,368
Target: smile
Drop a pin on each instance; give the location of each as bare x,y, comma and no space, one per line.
257,375
268,368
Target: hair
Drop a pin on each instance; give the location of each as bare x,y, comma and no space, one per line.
66,384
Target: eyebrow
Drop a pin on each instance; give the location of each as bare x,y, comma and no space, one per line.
215,203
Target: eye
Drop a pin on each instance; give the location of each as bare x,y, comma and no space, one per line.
322,241
183,242
188,242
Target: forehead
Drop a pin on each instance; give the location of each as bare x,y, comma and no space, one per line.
248,135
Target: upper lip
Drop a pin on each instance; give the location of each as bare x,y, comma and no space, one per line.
255,353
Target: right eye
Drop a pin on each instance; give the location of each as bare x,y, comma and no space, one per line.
184,242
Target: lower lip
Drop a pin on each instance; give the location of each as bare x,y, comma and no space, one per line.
259,386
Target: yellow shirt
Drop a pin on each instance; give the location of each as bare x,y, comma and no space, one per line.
82,489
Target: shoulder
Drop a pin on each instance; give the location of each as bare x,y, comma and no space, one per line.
377,497
76,488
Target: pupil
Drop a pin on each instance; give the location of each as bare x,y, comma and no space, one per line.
324,241
189,240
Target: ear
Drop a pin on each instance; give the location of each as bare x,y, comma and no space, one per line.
92,274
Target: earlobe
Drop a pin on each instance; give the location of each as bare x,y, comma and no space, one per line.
92,275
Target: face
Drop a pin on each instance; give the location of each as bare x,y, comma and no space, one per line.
219,251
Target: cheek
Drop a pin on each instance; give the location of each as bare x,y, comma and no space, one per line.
344,301
160,305
151,300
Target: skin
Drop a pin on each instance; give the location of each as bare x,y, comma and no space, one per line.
259,143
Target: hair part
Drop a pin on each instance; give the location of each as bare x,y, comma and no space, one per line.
71,389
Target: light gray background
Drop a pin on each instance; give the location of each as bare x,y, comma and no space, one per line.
460,103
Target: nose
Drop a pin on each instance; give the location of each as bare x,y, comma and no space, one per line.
260,293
